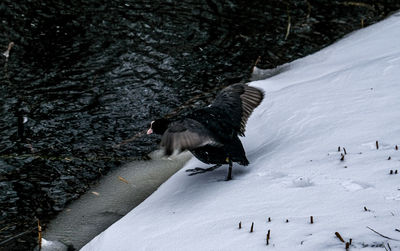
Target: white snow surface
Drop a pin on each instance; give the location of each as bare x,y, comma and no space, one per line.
346,95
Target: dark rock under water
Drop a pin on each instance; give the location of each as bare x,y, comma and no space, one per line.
84,76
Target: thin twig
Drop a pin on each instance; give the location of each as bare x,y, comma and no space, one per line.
17,236
39,235
257,61
358,4
137,135
288,28
4,228
384,236
308,9
123,180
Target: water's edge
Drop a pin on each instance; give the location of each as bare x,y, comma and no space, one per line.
114,196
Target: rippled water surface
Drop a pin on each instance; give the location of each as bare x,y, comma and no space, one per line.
84,77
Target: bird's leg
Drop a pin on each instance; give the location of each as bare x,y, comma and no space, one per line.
198,170
229,170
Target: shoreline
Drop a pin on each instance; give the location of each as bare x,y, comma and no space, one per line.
112,198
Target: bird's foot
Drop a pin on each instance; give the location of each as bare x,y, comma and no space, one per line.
199,170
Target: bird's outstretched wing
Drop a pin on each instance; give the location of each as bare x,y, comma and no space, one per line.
238,101
186,134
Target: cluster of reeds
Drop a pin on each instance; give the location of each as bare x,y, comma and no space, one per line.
268,236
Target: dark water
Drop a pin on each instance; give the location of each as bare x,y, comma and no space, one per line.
84,76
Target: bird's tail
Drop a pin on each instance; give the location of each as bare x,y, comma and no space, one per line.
244,162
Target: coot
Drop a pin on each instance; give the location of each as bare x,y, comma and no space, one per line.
212,133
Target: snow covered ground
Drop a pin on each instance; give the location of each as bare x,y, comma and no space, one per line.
346,95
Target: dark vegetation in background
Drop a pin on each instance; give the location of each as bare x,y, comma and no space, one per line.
87,75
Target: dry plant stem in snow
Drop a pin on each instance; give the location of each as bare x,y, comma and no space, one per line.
339,236
384,236
347,245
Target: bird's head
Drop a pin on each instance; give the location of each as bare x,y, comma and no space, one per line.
158,126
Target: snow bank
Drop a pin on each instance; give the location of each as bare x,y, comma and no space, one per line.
346,95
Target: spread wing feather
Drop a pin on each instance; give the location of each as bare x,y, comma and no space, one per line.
238,101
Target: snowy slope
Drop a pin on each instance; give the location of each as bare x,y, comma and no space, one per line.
346,95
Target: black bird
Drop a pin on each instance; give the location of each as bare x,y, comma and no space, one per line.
211,133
